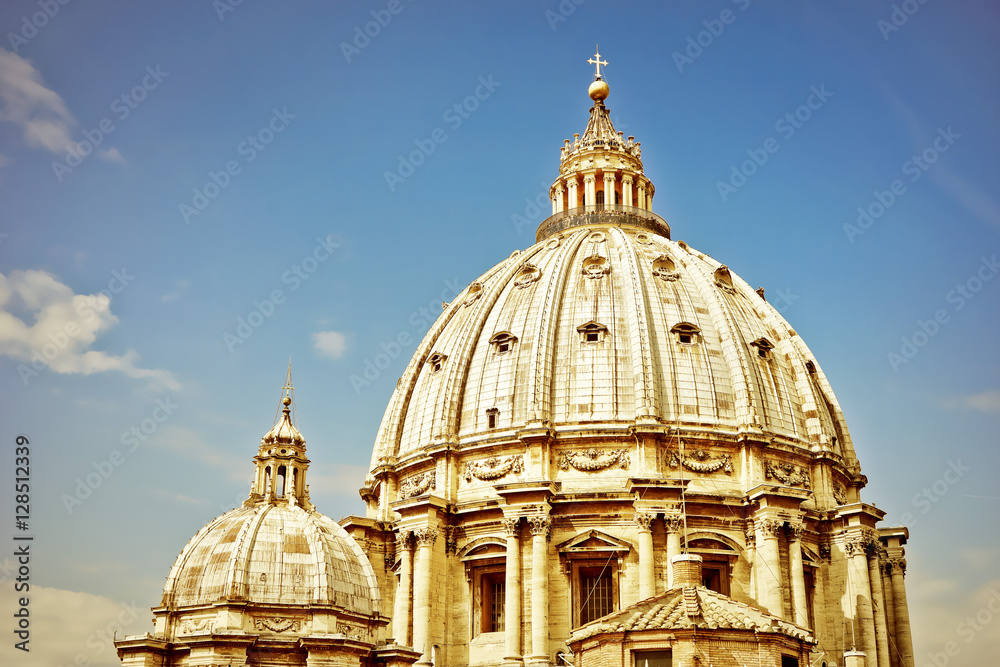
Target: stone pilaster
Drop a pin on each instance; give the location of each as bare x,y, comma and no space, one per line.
647,580
859,589
512,588
425,538
402,609
539,526
878,603
768,566
904,642
674,524
799,603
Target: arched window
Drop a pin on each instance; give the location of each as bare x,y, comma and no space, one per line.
686,333
600,198
279,483
503,342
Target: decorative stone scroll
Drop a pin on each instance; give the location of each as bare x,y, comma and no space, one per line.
787,473
192,626
840,493
451,535
494,467
748,532
527,276
276,623
590,460
417,485
700,461
354,631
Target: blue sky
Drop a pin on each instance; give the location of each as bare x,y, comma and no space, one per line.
242,154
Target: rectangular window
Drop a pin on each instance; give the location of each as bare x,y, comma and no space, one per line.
494,591
597,597
789,661
652,659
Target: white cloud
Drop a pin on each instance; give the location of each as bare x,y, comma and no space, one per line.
112,155
68,627
64,327
987,401
330,343
191,444
26,102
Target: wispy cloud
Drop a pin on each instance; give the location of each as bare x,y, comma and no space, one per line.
112,155
330,343
190,444
987,401
37,110
70,627
63,327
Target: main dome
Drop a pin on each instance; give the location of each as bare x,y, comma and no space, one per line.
605,326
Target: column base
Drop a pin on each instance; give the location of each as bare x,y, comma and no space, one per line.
537,661
512,661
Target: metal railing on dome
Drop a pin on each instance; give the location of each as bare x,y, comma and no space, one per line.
601,214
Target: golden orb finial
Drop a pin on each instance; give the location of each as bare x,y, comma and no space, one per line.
598,91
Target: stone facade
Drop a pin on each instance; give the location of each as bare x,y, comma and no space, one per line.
597,404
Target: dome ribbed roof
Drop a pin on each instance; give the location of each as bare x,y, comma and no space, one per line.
275,554
608,326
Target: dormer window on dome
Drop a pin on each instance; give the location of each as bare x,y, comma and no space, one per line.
764,347
436,361
724,279
686,333
503,342
592,332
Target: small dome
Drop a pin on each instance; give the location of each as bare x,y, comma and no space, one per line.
273,554
599,91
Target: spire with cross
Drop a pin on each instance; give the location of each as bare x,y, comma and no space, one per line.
597,63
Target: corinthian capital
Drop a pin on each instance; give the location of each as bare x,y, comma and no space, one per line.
673,522
511,525
539,524
644,520
425,536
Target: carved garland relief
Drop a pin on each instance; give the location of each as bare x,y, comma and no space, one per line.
787,473
276,624
417,485
590,460
494,467
700,461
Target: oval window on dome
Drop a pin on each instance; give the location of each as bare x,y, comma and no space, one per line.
597,237
595,267
664,269
553,243
527,276
474,292
724,279
643,239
